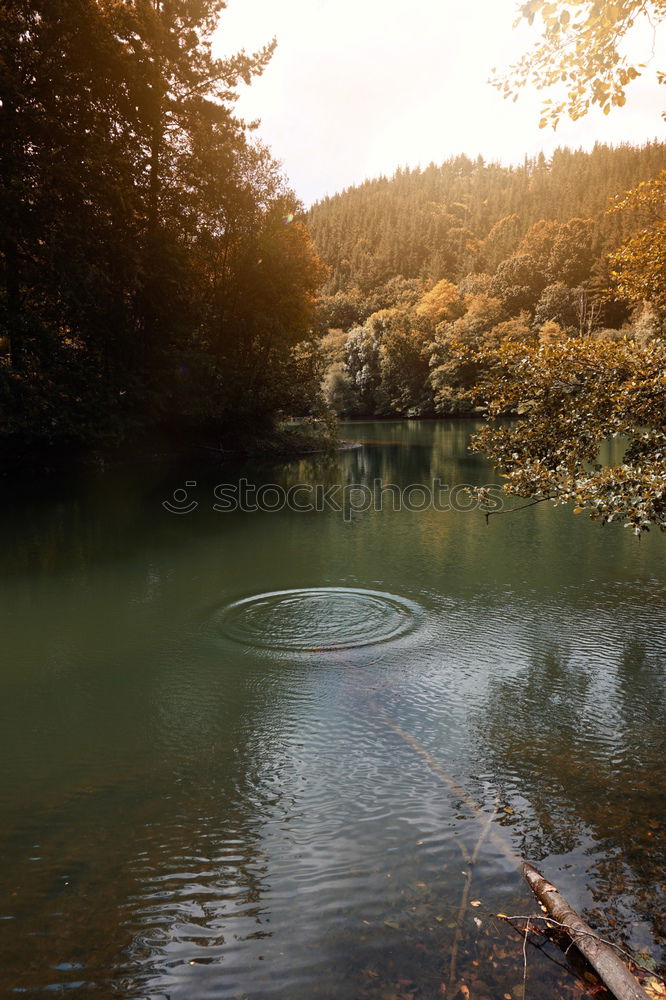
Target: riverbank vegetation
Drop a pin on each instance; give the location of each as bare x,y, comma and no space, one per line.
162,287
433,269
439,304
157,281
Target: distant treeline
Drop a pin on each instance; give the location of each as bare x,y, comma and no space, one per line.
433,266
465,215
154,273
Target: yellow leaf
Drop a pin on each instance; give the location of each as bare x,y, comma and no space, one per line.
654,988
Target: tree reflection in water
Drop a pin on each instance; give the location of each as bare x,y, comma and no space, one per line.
577,752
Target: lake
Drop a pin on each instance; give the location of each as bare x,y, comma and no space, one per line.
243,740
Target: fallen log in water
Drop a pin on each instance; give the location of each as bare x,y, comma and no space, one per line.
610,968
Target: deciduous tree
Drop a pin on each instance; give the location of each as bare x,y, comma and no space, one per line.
638,267
572,397
579,55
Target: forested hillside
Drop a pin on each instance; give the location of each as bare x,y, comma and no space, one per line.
433,268
445,221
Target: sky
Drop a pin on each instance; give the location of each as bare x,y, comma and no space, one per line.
358,88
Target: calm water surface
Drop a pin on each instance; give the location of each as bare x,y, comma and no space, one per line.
215,729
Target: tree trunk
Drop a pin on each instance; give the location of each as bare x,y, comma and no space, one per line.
611,970
13,302
156,138
10,247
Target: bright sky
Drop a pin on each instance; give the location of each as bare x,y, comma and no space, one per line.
360,87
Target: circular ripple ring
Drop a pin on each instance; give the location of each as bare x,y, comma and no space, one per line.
313,619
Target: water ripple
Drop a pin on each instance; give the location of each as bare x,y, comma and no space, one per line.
316,619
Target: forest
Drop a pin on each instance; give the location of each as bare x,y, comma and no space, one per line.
156,283
162,286
432,265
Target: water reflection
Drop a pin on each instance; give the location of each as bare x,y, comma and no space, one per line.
575,745
189,815
144,851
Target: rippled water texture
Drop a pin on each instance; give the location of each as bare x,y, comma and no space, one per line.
316,619
237,750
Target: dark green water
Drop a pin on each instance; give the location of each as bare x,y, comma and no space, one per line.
205,785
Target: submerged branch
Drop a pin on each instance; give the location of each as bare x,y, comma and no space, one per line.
462,909
474,808
550,921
